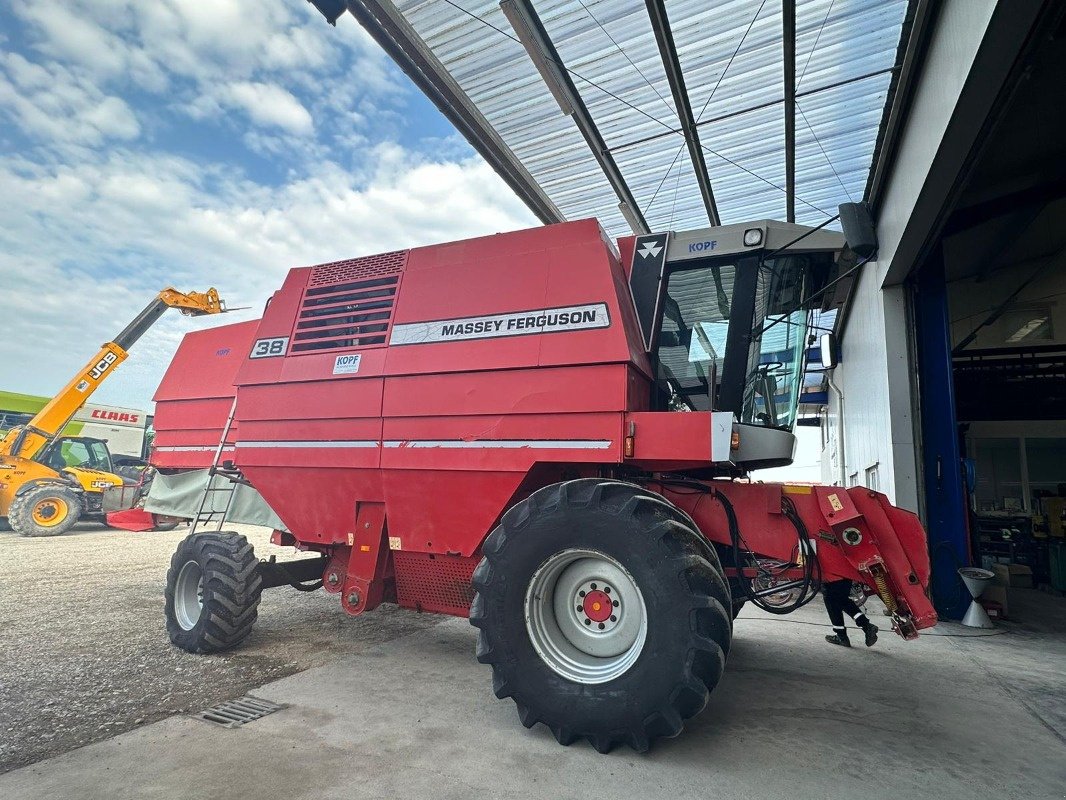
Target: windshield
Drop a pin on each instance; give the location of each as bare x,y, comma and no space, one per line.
692,340
738,326
90,453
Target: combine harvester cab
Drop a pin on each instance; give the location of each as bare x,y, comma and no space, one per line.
531,431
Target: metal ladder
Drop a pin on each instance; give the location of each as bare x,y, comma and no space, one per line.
206,515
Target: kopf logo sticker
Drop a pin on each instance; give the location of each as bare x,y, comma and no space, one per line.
347,364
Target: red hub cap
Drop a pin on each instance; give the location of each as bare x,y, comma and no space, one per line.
597,606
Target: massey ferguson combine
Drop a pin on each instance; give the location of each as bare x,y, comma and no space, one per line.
548,437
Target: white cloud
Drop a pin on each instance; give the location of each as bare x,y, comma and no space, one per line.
52,102
149,43
269,104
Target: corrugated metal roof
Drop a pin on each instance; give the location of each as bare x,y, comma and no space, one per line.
730,52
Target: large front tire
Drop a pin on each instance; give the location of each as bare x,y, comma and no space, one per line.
603,613
212,594
50,509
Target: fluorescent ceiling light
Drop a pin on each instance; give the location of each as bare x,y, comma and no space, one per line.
1025,330
549,70
630,217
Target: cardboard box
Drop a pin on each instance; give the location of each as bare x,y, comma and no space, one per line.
993,609
1017,576
996,595
996,591
1021,576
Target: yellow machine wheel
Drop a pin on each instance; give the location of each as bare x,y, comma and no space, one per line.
47,510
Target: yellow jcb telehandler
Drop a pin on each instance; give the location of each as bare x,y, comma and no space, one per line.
47,481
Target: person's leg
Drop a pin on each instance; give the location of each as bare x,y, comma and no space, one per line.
853,611
834,606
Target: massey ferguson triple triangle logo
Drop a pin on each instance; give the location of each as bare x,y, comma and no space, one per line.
650,249
519,323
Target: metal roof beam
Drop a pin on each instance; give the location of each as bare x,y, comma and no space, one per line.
788,44
534,38
664,38
383,21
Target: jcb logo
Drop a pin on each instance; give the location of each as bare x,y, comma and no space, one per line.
102,366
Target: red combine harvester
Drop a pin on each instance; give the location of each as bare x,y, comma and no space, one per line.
532,431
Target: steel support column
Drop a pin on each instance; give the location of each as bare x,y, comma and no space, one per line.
664,38
947,516
788,44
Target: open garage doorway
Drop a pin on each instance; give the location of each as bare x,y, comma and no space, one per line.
990,313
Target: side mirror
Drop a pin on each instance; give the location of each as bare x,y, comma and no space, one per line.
858,227
829,352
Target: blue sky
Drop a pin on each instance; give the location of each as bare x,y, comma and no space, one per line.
194,143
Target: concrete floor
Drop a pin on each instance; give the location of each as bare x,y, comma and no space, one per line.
949,716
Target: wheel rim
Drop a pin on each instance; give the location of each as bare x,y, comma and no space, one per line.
49,512
189,595
585,616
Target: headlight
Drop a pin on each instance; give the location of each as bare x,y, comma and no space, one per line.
753,237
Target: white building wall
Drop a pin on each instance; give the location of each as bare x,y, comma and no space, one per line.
876,372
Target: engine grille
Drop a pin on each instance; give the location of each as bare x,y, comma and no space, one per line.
348,304
356,268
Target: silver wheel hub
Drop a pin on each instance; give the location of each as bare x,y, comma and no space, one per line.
585,616
189,595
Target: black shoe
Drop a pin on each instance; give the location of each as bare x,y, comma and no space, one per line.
871,634
836,638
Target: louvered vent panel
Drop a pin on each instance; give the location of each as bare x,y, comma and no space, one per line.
348,304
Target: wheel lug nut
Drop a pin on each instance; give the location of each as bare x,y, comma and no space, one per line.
602,626
615,604
614,618
581,594
593,586
579,609
588,621
607,589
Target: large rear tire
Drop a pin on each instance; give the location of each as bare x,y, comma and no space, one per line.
603,613
212,593
50,509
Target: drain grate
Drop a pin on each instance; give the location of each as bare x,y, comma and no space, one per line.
234,713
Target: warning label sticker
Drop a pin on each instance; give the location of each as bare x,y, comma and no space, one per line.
519,323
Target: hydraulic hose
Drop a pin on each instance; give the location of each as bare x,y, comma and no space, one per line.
811,582
812,574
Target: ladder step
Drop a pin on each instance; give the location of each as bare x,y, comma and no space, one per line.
205,516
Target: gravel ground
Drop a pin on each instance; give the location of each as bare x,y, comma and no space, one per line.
84,654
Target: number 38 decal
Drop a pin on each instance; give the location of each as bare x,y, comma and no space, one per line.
267,348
